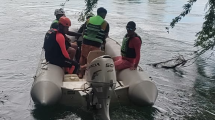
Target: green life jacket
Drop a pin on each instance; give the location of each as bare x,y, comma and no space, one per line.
126,51
55,21
95,28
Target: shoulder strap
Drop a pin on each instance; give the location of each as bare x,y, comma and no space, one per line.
139,38
51,31
136,35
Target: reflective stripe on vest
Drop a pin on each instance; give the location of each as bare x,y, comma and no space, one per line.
95,29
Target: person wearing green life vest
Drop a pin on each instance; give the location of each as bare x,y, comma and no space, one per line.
130,49
94,35
58,13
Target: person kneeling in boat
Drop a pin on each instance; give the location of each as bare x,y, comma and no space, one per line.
130,49
70,46
55,47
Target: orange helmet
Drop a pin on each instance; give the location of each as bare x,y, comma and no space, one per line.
65,21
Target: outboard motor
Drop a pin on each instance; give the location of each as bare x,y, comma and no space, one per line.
101,76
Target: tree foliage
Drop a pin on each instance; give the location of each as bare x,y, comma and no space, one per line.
187,8
90,4
205,37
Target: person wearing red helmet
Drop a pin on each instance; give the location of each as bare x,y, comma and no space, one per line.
60,13
55,47
71,46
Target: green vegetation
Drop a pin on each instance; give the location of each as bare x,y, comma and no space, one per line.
206,37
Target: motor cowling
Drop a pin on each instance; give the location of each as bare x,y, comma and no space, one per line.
101,76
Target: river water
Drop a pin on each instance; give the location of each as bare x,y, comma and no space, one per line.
184,93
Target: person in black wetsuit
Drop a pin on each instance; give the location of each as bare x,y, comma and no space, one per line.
55,47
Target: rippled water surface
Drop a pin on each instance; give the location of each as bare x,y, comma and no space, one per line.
184,93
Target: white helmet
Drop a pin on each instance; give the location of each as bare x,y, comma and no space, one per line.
59,11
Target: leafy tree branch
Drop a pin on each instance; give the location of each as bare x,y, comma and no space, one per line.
206,37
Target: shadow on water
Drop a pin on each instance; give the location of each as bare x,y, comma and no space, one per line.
204,84
60,112
178,72
204,94
133,113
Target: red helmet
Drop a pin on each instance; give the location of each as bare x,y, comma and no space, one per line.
65,21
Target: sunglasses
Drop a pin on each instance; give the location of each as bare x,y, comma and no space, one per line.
129,28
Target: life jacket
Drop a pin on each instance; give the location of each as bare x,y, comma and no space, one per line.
51,46
126,51
54,24
95,29
55,21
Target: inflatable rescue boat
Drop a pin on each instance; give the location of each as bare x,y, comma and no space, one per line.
100,87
